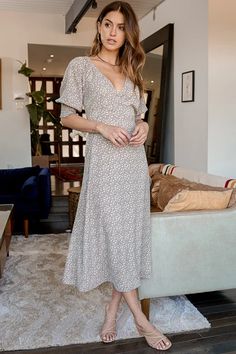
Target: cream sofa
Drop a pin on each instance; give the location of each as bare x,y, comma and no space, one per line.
192,251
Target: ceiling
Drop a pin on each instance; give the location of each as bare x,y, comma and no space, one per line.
62,6
39,55
38,6
63,54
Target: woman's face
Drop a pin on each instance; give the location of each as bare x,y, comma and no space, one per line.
112,30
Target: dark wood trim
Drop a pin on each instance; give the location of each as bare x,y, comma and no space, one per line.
149,98
162,37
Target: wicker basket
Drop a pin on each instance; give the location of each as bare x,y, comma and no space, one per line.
73,199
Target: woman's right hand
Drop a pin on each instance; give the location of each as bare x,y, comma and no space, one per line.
118,136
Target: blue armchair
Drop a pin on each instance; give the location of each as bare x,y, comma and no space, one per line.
29,189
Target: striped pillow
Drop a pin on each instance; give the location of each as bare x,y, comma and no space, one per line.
167,169
230,183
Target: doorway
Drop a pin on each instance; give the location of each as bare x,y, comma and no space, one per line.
49,64
158,48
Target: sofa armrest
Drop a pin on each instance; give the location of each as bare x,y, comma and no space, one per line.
192,252
44,183
29,189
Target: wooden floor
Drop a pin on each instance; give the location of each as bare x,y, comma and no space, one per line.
218,307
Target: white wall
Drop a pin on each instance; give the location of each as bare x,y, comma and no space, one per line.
222,88
204,135
16,31
190,19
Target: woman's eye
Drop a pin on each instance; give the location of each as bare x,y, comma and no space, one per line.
122,28
107,24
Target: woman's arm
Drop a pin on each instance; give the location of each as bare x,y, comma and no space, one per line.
118,136
74,121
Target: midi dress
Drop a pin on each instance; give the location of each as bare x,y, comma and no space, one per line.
110,239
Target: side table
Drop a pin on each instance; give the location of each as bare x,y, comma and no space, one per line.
5,233
73,199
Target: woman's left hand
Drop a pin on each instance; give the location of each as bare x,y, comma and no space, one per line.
140,133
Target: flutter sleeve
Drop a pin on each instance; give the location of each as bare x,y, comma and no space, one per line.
142,108
71,90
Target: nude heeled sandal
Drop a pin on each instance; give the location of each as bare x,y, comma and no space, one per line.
153,339
109,327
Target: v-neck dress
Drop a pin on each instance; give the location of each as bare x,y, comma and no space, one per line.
110,240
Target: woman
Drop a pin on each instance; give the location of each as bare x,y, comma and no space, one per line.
110,239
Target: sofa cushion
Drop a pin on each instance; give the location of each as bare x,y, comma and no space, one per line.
13,179
165,187
168,188
154,168
199,200
10,198
156,179
232,201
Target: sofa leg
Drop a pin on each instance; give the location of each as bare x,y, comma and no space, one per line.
26,228
145,304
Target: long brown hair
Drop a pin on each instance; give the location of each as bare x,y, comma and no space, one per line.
131,56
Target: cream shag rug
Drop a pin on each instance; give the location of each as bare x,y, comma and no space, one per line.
37,310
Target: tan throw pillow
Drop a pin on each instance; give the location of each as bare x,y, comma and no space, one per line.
168,189
154,168
156,179
199,200
232,201
154,193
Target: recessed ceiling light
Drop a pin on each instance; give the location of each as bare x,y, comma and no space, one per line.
44,69
152,82
51,55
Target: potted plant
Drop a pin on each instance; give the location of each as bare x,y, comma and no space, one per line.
37,109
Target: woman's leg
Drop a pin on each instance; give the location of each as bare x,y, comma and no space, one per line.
108,334
134,304
115,301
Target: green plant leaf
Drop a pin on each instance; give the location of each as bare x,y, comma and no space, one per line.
38,96
34,114
46,116
38,109
53,98
49,117
24,70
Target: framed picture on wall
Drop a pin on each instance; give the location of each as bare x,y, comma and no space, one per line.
187,90
0,85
